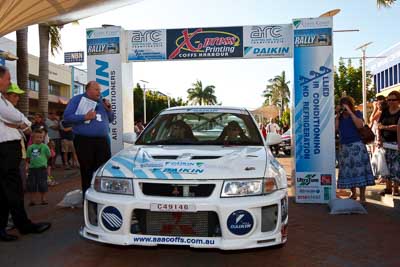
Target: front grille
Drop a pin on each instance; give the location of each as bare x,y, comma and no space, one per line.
269,218
177,190
196,224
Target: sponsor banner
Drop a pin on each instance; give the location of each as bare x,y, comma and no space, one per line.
146,45
313,108
176,240
313,187
262,41
205,43
74,57
103,46
106,69
313,37
103,41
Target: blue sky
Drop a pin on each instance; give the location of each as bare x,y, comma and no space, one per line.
238,82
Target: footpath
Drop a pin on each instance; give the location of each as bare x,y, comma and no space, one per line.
316,238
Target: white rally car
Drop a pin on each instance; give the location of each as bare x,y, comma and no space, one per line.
196,176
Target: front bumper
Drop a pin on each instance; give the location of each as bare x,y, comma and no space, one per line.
99,231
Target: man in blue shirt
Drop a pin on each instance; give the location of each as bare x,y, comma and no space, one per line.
91,131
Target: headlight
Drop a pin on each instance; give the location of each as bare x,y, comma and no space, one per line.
113,185
243,188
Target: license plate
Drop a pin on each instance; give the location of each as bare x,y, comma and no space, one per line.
173,207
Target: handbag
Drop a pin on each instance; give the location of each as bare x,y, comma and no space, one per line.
366,134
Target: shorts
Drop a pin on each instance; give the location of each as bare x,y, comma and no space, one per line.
37,180
67,146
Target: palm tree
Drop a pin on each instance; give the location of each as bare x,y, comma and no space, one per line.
385,3
278,91
198,95
22,69
46,34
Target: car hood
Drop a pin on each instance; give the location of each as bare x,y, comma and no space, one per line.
189,162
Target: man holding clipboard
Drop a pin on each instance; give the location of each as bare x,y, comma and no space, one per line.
90,116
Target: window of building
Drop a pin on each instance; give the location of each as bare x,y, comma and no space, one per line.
386,78
375,81
33,85
382,80
78,88
395,74
390,76
54,89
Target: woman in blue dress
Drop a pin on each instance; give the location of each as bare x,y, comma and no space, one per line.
354,164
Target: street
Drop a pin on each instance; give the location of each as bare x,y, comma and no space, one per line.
315,239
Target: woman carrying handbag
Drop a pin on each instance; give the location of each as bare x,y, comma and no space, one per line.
354,163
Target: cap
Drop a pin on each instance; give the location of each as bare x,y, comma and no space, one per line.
14,88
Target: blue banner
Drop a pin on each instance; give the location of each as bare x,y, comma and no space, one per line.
313,116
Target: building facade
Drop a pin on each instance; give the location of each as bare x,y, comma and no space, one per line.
386,70
61,85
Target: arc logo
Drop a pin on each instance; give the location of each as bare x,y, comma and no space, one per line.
111,218
240,222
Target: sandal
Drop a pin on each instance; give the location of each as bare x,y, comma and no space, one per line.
385,192
396,194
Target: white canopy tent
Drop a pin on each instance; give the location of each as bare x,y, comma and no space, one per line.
17,14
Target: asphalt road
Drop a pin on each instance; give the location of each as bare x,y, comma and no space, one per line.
315,239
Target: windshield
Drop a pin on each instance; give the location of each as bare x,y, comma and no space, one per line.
214,128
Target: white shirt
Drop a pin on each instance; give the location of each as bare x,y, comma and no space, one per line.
9,114
273,128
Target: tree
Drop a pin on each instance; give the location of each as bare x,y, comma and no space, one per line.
198,95
278,91
348,81
385,3
23,69
47,34
154,103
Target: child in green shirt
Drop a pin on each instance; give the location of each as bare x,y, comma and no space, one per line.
37,156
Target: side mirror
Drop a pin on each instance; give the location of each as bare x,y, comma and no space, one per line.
129,138
273,139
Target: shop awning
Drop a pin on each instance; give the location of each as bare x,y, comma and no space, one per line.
19,14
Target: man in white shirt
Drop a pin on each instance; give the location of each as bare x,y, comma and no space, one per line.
273,127
12,122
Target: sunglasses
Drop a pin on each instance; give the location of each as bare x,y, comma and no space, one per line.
392,99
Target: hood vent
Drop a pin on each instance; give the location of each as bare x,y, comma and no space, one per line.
164,157
205,157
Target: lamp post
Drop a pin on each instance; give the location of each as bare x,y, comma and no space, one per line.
364,79
167,96
144,100
364,76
